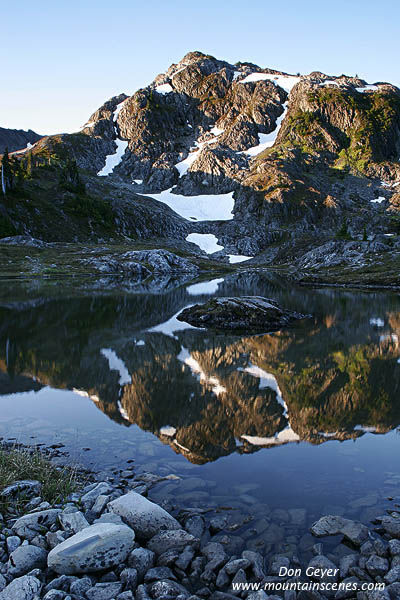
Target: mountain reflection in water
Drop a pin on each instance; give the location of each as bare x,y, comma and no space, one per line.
208,395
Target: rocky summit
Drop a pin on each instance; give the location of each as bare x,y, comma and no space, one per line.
233,163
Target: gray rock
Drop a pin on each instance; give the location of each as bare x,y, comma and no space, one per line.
376,565
26,558
27,487
257,563
126,596
22,588
322,562
145,517
72,522
62,583
167,588
356,532
141,593
347,592
277,563
81,586
392,576
53,538
166,540
195,525
100,504
31,524
214,550
104,591
157,573
142,560
394,547
218,523
245,312
185,558
260,595
102,488
168,558
93,549
162,261
350,560
222,578
110,518
392,526
129,578
12,542
233,566
54,595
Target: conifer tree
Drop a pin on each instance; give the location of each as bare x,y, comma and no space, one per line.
6,173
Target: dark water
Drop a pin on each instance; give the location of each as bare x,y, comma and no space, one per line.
281,428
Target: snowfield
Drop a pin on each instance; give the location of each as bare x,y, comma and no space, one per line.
205,241
286,82
118,109
207,207
165,88
267,139
112,160
367,88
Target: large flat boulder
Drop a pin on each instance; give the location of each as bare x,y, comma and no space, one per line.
356,532
243,313
145,517
95,548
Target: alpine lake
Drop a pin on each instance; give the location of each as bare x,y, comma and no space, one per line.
270,431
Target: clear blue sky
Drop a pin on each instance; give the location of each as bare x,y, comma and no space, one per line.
61,59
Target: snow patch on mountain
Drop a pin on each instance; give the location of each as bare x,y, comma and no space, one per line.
205,241
286,82
206,207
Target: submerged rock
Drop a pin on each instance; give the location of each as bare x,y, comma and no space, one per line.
93,549
246,312
357,533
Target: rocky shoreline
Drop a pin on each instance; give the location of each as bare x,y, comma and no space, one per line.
110,542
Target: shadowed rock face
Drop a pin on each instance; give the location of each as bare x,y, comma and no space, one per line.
244,313
16,139
206,394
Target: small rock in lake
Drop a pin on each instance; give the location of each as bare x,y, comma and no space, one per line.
241,313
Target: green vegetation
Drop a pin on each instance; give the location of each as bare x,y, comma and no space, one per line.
57,483
343,233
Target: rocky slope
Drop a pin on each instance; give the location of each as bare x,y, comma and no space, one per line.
254,161
17,139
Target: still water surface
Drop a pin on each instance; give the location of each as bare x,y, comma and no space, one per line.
281,427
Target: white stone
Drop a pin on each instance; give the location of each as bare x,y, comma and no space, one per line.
145,517
95,548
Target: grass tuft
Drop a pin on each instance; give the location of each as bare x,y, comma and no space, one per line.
26,463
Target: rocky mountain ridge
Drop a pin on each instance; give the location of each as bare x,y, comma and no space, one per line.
253,157
17,139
